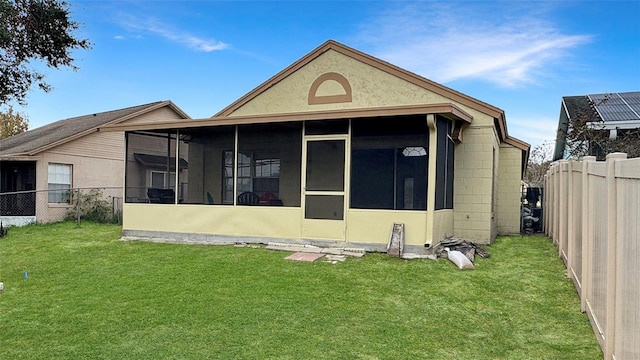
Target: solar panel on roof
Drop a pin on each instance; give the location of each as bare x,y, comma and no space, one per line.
633,100
617,106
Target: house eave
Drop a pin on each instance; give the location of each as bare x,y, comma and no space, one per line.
159,105
18,157
614,125
448,110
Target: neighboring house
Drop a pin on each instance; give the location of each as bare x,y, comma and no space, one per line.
332,150
41,165
614,113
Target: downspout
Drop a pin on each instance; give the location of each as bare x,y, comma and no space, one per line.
431,178
176,184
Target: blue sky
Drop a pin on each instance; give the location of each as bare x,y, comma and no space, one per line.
519,56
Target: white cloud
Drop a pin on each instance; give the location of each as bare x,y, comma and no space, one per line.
158,28
453,41
534,130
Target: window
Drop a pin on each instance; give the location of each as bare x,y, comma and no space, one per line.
266,180
160,180
258,172
269,163
444,164
59,183
389,163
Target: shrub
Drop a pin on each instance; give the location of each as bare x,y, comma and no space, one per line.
92,206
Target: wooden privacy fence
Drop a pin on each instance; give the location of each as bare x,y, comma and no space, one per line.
592,214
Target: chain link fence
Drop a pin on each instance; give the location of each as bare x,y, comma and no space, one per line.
102,204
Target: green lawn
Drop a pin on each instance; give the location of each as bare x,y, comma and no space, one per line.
90,296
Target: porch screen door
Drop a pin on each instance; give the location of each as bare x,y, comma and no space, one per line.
324,190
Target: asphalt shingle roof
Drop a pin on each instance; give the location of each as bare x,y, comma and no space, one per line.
31,140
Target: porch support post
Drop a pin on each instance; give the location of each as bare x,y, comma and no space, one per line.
431,177
176,183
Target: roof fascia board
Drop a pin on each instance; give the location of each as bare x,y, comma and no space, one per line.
274,79
374,62
610,125
419,80
561,133
112,122
175,108
595,107
61,142
18,157
517,143
524,147
445,108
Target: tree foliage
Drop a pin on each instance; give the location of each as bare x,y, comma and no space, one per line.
39,30
12,123
585,135
539,162
585,139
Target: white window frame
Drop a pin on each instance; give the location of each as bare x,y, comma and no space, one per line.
166,177
59,183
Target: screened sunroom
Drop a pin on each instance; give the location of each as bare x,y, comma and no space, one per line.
335,148
325,180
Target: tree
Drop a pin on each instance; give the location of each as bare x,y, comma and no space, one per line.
586,134
539,162
12,123
39,30
588,138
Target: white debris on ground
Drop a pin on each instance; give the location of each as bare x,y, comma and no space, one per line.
334,259
456,249
353,252
412,256
334,254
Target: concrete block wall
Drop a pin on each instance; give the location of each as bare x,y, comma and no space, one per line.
473,183
509,190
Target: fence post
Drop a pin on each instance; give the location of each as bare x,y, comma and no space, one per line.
556,191
78,207
571,218
545,213
587,235
562,205
612,211
551,195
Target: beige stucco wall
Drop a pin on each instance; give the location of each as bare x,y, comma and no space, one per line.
374,226
473,185
371,87
364,227
508,200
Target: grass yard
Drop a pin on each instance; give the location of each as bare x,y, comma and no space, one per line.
90,296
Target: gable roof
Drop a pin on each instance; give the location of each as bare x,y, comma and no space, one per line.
458,97
612,110
369,60
450,109
45,137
